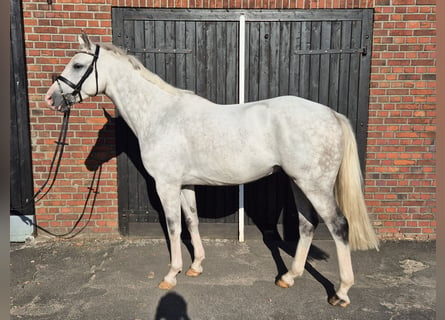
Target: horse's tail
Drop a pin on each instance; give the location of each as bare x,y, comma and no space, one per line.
349,193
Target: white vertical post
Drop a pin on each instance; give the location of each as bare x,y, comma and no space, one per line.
242,45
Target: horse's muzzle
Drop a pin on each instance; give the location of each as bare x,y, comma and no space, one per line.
59,101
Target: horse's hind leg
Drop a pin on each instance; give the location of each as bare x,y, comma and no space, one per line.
308,221
188,204
327,208
338,227
325,205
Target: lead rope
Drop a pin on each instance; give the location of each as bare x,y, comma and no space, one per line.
93,189
56,160
60,145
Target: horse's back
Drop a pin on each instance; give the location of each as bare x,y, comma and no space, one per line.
282,109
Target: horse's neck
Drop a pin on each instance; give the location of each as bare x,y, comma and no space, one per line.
138,100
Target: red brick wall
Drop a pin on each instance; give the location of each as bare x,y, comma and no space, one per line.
400,173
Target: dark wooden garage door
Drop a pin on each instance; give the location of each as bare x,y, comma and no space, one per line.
322,55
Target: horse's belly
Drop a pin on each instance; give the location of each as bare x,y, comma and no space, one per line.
232,171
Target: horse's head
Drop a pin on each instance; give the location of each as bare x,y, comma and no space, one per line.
79,79
105,147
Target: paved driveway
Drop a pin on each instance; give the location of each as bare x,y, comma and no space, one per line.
117,279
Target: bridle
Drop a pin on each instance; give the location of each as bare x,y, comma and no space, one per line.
78,87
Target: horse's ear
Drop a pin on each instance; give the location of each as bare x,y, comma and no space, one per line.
85,42
107,115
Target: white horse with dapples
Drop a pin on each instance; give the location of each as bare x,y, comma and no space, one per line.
186,140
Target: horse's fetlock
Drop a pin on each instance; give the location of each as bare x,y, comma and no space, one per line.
176,270
343,297
288,279
197,267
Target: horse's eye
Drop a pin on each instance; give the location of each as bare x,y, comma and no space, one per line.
77,66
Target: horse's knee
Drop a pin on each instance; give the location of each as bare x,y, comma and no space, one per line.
174,227
191,222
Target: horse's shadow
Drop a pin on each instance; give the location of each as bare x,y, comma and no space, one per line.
267,213
288,239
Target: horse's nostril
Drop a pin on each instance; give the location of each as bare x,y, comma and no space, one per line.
49,100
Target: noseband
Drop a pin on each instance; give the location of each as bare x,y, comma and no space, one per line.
78,87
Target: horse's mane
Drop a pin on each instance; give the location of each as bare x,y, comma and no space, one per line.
137,65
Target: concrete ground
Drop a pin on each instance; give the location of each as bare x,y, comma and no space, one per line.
117,279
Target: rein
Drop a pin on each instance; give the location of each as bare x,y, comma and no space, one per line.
57,157
49,182
60,147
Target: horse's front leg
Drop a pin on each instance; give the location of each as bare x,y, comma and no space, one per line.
188,204
170,199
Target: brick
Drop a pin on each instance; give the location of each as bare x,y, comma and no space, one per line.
425,2
403,2
404,162
424,32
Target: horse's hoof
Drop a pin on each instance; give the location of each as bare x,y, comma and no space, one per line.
282,284
164,285
336,301
192,273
